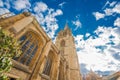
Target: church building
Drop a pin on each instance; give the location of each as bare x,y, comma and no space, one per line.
41,59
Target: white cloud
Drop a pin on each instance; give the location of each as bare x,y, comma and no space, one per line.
106,4
113,7
116,9
98,15
108,12
112,4
47,20
51,29
51,22
7,4
58,12
40,7
21,4
1,3
3,11
87,34
117,22
62,4
77,16
97,52
77,23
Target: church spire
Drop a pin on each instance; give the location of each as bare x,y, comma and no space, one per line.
67,29
66,26
66,45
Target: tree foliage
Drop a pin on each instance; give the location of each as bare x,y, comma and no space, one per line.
9,48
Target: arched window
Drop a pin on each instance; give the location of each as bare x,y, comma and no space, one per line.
48,64
29,46
62,43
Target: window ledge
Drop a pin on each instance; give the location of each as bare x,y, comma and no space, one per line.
44,76
20,66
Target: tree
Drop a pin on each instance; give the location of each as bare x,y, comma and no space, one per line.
9,48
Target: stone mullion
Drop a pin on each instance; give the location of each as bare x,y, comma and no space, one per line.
38,50
51,64
46,66
38,68
49,67
28,55
25,40
29,38
55,68
21,48
30,50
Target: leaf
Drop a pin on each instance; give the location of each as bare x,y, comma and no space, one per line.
9,48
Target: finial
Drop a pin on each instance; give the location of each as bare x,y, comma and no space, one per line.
26,13
66,25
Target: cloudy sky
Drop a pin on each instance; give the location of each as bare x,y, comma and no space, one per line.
95,25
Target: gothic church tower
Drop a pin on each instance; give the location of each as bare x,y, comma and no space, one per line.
66,45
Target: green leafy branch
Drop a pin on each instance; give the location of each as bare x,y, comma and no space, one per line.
9,48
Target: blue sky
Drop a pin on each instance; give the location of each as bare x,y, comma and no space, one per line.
95,25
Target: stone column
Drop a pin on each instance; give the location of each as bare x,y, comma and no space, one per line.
44,52
56,68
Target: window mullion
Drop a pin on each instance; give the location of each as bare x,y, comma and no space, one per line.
49,67
30,54
28,37
27,47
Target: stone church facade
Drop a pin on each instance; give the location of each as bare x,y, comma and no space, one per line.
41,59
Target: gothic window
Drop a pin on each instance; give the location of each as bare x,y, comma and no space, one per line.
48,65
62,43
29,47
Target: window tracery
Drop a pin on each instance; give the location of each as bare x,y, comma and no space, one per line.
29,46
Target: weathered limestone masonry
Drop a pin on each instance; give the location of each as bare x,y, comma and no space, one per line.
66,45
41,59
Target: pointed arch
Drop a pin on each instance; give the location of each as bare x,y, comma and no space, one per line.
30,46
